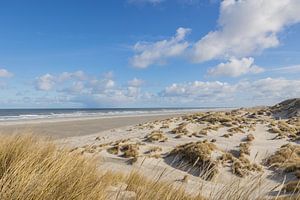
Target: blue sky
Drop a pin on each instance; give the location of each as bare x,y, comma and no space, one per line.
148,53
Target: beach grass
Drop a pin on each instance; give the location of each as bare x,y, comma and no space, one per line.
35,168
32,167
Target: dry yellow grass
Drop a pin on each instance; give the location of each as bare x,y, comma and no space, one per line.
244,148
286,156
31,168
156,136
250,137
180,130
156,190
242,166
130,150
198,154
114,150
217,117
235,130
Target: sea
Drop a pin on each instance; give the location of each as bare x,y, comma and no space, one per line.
30,114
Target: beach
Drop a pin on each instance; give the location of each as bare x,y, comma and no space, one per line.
239,143
79,126
205,150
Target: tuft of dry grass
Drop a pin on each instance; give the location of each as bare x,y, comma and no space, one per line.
227,135
165,126
198,154
235,130
180,130
250,137
154,152
203,132
114,150
130,150
245,148
242,166
154,149
156,136
274,130
287,157
217,117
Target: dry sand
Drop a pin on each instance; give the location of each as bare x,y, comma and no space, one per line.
101,138
160,164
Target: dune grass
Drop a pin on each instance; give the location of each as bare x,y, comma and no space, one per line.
35,168
32,168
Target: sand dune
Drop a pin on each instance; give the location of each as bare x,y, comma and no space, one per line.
287,109
208,150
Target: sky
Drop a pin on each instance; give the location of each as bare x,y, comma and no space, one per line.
148,53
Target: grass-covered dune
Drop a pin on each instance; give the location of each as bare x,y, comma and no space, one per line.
33,168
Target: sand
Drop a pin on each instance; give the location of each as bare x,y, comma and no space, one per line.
95,137
161,164
62,128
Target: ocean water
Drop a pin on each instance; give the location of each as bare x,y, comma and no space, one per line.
29,114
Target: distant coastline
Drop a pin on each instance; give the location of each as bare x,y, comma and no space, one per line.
11,115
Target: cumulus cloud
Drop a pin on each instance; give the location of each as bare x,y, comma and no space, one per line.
70,75
99,85
105,91
45,82
5,74
264,91
199,91
246,27
89,90
271,88
135,82
235,67
76,87
158,52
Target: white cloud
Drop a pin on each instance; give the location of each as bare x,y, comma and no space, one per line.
48,81
287,69
271,88
235,67
104,91
135,82
5,74
262,91
45,82
157,53
79,87
80,75
246,27
199,91
100,85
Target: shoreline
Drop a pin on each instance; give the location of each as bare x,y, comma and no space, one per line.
73,127
81,118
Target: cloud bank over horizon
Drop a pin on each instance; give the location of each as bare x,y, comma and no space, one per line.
88,90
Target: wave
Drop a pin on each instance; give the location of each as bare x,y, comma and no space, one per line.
16,115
